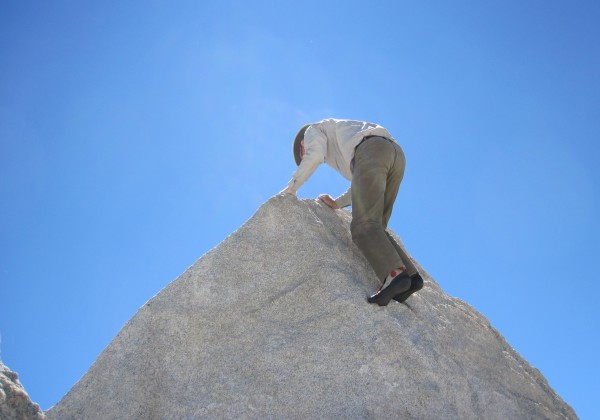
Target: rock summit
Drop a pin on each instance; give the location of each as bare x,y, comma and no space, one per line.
274,323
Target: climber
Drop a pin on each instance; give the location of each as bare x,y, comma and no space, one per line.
368,156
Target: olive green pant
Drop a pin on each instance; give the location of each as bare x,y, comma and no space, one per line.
378,170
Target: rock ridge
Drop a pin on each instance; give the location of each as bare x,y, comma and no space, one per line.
273,322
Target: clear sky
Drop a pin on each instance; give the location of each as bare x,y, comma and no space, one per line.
135,136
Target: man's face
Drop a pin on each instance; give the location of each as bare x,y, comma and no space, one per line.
301,149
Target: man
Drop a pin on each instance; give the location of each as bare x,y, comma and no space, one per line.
368,156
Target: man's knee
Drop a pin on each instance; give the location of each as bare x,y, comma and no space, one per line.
360,231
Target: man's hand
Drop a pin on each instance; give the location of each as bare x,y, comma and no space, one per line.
327,199
287,190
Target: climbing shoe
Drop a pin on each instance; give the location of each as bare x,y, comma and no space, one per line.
416,283
397,286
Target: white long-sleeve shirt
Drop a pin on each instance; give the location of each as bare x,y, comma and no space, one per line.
333,141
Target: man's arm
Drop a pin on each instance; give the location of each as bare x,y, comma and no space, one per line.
287,190
345,199
315,145
342,201
327,199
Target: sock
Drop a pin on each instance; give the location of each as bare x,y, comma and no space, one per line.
391,277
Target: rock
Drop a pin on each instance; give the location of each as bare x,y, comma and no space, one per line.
274,323
14,401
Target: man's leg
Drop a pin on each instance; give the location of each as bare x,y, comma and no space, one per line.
410,267
378,171
394,180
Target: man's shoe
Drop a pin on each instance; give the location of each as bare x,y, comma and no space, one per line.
416,283
400,284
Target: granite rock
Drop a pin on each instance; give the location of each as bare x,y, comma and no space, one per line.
14,401
274,323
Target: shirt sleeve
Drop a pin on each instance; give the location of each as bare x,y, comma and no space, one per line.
315,150
345,199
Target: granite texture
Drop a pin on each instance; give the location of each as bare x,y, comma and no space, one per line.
15,404
274,323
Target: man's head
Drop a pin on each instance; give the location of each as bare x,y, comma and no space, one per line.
299,144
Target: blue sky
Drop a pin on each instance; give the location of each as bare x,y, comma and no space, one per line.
135,136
